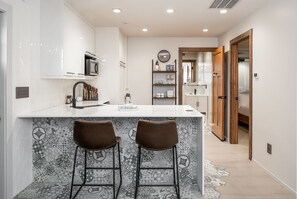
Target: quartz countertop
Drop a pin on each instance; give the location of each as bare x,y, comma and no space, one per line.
113,111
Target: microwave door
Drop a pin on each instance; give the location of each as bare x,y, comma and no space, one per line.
93,68
96,68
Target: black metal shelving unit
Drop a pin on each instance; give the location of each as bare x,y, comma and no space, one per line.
171,86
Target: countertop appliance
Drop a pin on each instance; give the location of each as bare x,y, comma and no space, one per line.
91,64
91,67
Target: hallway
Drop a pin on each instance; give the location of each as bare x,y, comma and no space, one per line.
247,180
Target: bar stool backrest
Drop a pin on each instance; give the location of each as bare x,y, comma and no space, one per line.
94,135
156,135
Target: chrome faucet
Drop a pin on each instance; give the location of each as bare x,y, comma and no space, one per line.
74,99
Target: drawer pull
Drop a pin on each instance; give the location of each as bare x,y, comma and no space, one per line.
197,104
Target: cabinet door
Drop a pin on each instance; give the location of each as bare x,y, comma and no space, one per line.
192,101
202,104
51,37
73,43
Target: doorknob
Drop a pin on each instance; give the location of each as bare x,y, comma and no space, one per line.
222,97
236,98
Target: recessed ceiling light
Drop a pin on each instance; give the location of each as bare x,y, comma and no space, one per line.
224,11
116,10
170,11
205,30
144,29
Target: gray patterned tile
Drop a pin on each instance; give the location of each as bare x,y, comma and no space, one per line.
53,154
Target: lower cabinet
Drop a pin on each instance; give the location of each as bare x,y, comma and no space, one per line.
198,102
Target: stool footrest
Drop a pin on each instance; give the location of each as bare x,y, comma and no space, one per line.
102,168
156,185
146,168
101,185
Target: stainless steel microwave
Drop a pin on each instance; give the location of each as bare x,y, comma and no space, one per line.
91,67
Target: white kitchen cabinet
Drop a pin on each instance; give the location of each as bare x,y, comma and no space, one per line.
199,102
111,45
65,38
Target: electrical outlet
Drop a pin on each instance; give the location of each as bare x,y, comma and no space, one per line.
269,148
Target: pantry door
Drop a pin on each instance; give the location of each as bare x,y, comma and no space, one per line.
218,93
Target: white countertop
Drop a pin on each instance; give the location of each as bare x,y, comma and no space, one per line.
113,111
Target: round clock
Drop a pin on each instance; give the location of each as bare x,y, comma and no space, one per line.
163,56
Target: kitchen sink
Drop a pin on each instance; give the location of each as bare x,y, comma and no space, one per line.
87,106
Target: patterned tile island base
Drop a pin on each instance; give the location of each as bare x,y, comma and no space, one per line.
53,154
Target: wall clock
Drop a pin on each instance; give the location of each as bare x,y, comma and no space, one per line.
163,56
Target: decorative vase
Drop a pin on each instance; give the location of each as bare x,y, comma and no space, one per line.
157,67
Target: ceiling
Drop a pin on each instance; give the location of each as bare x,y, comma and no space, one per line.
188,19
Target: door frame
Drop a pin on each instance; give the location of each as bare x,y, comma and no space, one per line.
180,67
6,70
234,88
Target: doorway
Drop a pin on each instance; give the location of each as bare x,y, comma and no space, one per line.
241,89
195,81
208,78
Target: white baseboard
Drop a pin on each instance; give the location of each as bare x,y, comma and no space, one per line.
277,179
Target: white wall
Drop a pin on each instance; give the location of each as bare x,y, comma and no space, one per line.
43,93
141,51
3,43
274,94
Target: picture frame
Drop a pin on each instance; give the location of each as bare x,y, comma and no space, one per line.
169,67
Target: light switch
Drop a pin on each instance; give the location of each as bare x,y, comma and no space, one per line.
256,75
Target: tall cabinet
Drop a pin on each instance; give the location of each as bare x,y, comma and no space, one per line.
164,82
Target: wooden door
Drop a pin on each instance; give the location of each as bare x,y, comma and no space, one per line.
218,98
234,95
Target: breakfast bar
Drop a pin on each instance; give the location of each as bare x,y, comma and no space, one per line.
53,149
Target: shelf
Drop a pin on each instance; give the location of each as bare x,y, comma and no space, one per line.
164,71
160,83
164,84
164,97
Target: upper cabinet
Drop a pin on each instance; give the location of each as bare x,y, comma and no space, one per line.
65,38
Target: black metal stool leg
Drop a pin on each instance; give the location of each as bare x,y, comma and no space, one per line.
120,168
85,173
174,170
177,175
73,172
113,172
137,171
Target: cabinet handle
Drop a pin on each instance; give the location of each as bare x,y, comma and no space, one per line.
70,73
197,104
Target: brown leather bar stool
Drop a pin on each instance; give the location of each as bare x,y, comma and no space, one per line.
94,136
157,136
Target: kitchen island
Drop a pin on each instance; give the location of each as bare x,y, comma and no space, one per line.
53,149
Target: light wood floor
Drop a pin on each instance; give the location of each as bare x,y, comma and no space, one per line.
247,180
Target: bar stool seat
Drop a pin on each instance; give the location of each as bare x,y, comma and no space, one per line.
157,136
95,136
